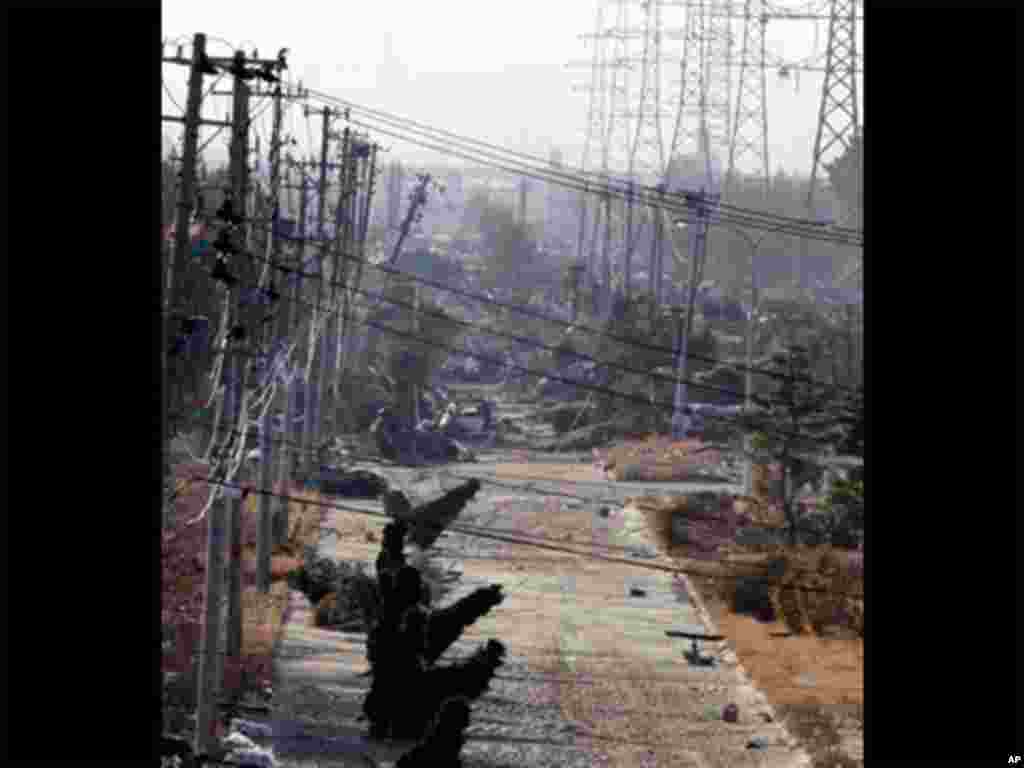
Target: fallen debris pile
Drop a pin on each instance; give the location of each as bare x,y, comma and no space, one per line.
343,593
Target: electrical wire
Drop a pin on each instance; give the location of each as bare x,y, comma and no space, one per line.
606,190
471,529
171,96
574,175
632,343
646,402
762,220
483,533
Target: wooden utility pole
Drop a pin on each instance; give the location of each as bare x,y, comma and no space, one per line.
211,663
312,441
359,246
347,205
289,320
177,258
264,542
240,190
330,341
178,261
290,433
207,681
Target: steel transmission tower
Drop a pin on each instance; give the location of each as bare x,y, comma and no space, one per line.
705,94
838,115
749,135
596,111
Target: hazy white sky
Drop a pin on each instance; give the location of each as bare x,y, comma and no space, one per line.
489,70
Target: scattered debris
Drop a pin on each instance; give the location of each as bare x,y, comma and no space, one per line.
252,758
252,729
238,741
731,713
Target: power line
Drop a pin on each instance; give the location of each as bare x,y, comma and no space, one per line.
601,184
545,165
558,321
606,190
482,534
530,487
646,402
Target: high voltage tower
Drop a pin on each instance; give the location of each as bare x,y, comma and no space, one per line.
748,136
715,108
839,127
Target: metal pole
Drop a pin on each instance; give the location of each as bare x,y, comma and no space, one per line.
415,388
748,445
627,265
680,421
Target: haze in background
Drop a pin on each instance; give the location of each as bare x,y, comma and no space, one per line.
487,70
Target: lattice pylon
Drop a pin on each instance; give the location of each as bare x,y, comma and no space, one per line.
595,126
838,115
748,139
703,118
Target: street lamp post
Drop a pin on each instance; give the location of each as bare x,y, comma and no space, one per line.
752,321
680,420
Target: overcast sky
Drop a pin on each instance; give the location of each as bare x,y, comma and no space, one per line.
489,70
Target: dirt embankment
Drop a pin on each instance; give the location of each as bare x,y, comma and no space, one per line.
815,677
